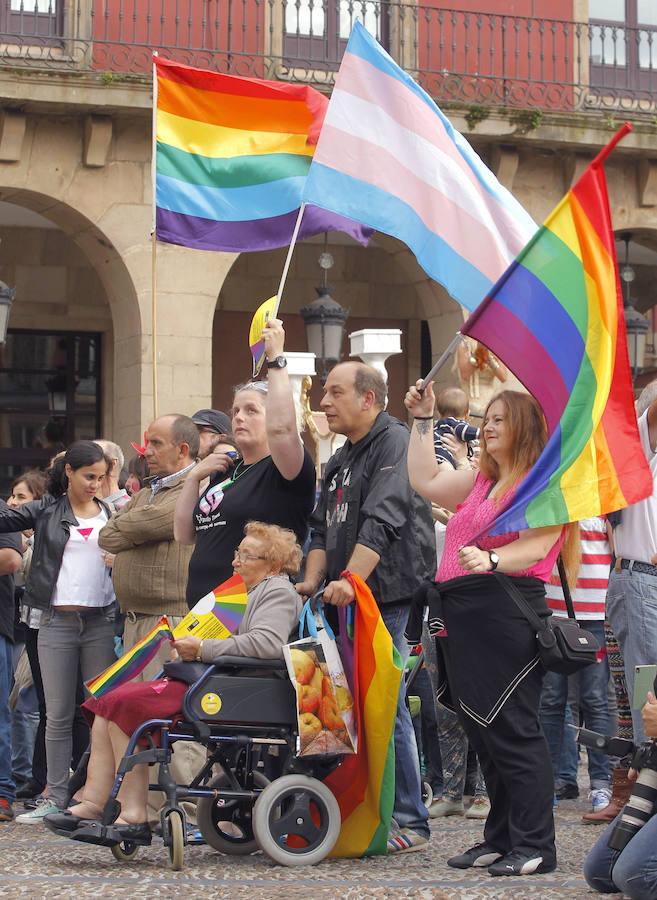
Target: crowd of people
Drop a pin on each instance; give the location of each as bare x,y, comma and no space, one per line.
93,553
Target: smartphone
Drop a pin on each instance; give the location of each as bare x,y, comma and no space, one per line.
644,681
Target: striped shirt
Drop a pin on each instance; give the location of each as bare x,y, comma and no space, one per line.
593,577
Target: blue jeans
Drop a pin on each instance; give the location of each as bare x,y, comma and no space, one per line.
409,811
632,613
632,871
593,683
567,771
24,724
7,786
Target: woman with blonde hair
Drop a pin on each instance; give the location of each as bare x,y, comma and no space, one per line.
265,558
493,673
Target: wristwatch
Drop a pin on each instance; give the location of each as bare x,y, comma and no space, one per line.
494,560
199,657
279,363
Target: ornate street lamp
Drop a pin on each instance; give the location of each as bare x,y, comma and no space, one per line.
324,319
7,295
636,325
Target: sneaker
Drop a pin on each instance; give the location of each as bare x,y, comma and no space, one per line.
194,835
600,799
406,841
519,863
442,807
6,810
567,791
35,816
479,856
478,809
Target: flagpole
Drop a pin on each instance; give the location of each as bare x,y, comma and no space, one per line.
445,355
290,251
154,242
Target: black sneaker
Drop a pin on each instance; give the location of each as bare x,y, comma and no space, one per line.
567,791
519,863
479,856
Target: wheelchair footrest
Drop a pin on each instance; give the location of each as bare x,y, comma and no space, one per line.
106,835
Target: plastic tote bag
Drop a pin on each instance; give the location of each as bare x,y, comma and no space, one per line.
325,706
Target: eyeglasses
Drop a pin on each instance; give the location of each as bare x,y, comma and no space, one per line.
241,556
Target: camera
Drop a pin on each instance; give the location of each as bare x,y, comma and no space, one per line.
641,805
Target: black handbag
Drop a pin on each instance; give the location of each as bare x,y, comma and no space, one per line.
563,646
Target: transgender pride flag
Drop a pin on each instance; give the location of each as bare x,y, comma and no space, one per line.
389,158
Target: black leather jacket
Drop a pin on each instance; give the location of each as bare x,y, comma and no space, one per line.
51,518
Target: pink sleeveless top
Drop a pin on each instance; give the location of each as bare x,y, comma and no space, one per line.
472,516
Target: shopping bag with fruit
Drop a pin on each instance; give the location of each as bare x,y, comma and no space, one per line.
325,706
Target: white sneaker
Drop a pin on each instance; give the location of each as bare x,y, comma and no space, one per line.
35,816
442,807
478,809
600,799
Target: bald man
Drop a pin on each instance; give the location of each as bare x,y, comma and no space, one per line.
150,568
368,520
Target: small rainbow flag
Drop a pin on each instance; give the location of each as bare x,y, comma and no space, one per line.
364,784
261,316
555,318
132,662
218,614
231,156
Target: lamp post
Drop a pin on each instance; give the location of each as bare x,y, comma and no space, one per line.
7,295
636,325
324,319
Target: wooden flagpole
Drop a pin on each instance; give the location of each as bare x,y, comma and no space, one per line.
445,355
154,244
288,259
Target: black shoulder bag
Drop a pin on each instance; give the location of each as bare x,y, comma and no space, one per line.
563,646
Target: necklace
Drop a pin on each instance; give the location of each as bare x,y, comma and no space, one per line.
237,474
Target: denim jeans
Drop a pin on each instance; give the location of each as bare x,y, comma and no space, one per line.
409,811
632,871
593,684
7,786
632,613
569,761
24,725
69,641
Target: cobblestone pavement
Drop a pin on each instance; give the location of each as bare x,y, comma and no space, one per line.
35,863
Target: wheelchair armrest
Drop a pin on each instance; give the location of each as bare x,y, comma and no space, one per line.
247,662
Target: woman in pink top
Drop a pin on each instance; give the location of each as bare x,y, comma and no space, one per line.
493,675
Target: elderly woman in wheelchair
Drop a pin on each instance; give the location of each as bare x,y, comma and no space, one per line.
239,706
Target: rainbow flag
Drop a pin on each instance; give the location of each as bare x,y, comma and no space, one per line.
555,318
256,344
364,784
132,662
231,156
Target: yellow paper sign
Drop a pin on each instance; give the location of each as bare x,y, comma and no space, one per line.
202,622
262,315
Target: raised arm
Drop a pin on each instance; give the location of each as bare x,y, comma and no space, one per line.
439,484
282,428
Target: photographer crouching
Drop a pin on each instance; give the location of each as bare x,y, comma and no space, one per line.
631,868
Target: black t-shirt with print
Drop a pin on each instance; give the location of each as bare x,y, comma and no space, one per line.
259,493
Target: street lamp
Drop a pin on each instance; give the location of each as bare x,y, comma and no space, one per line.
324,319
636,325
7,295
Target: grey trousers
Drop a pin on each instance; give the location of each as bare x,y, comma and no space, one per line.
68,640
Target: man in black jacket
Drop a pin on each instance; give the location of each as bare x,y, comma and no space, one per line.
369,521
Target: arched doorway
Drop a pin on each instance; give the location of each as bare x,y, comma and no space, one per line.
70,319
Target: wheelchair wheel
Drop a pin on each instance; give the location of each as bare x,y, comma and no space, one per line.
296,820
427,794
176,840
125,851
228,828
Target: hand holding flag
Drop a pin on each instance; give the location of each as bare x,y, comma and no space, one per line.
263,313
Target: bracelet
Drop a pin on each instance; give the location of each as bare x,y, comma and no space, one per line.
423,418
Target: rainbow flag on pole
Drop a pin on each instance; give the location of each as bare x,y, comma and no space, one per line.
132,662
230,160
364,784
388,157
555,318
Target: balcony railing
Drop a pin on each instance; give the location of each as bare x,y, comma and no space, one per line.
477,59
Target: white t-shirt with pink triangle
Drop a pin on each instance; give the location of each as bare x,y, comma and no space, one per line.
84,579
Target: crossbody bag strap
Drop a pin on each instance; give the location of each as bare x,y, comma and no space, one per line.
565,587
537,623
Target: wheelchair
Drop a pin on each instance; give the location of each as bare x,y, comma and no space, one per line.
240,709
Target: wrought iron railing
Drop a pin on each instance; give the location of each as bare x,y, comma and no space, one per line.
477,59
